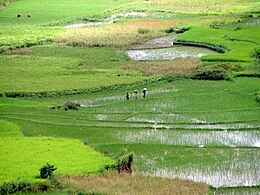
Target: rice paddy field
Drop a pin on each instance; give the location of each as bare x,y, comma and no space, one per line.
200,134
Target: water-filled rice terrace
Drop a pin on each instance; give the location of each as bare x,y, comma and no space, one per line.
92,53
207,132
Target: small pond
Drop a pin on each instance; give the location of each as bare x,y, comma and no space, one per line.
162,48
168,53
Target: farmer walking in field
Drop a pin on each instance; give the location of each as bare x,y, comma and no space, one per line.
144,92
136,94
127,96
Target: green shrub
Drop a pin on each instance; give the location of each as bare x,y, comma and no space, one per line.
47,171
213,72
176,30
71,106
124,162
24,187
256,53
11,188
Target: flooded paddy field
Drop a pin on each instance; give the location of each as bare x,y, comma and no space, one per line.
168,53
162,48
197,130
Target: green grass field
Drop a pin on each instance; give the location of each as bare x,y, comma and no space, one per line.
239,44
200,130
22,157
50,70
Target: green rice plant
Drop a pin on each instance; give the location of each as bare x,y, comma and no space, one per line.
25,36
9,129
52,72
23,154
201,6
184,127
49,11
236,50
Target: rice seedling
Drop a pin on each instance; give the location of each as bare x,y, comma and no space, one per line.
191,138
55,75
205,6
27,155
238,48
141,126
237,190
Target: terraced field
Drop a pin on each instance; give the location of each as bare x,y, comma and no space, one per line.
206,132
199,121
23,157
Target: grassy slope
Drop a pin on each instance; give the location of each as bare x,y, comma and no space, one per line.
27,155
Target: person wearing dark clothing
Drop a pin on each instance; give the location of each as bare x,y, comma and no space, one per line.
127,96
144,92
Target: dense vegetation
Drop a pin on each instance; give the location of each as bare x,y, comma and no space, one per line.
63,90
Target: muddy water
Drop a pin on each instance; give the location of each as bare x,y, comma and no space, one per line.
163,49
168,53
157,43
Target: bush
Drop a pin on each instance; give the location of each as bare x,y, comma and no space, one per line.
256,53
24,187
213,72
124,162
47,171
176,30
11,188
71,106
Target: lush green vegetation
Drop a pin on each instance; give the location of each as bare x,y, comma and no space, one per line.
165,130
24,31
238,45
200,120
23,157
63,70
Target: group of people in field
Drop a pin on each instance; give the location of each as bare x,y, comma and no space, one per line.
20,15
144,91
